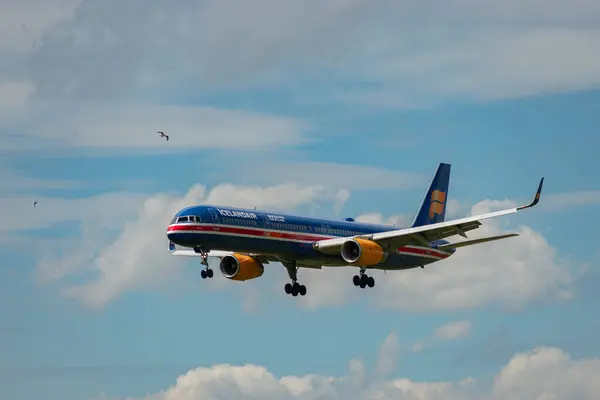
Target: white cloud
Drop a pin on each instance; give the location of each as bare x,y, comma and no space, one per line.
399,220
130,125
418,346
559,201
15,181
22,21
212,43
17,213
453,330
348,176
413,50
411,53
541,373
562,377
485,63
94,218
136,259
388,354
13,95
450,331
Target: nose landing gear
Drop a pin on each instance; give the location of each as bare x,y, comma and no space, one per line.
206,272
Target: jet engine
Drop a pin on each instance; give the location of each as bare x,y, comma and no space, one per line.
239,267
362,253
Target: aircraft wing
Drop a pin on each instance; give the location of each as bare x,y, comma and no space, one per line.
424,235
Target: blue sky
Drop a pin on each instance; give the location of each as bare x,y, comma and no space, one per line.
320,109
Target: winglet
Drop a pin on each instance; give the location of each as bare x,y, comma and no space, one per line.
536,199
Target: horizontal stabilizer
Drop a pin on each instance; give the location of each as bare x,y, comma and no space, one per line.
475,241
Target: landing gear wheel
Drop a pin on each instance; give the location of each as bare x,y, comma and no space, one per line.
203,274
294,288
370,281
363,280
209,273
302,290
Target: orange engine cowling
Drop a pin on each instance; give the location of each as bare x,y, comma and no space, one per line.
239,267
362,253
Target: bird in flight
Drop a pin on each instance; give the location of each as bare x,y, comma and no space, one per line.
34,203
162,134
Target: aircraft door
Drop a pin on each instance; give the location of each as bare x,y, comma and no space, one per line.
267,222
214,215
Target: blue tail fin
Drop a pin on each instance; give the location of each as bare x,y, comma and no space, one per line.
433,208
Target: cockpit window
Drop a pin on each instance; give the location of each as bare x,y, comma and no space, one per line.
186,218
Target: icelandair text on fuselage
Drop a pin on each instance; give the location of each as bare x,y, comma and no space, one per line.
243,214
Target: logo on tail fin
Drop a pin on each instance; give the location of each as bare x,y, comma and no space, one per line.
438,199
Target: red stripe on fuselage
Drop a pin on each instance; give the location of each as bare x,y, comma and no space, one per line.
246,231
258,232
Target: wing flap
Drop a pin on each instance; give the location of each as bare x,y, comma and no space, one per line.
450,246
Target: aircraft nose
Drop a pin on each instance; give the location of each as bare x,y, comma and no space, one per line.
170,233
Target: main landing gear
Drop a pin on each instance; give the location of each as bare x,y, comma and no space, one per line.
206,272
293,288
363,280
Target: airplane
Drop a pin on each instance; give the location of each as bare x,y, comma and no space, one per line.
244,240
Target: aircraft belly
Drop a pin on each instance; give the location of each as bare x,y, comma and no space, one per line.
290,250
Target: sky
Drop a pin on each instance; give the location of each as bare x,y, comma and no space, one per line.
321,108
